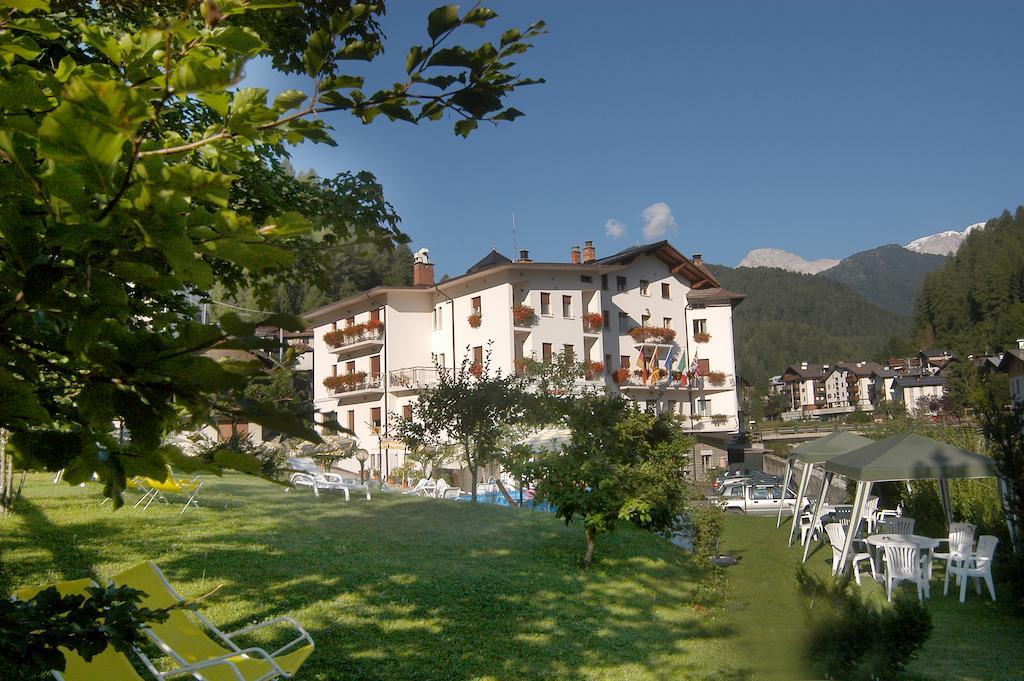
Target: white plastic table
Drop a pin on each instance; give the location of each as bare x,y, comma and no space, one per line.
879,541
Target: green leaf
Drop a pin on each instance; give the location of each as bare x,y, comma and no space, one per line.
289,99
510,36
442,20
218,101
316,52
509,114
343,81
363,50
464,127
238,39
414,58
22,46
39,26
64,69
451,56
26,5
479,16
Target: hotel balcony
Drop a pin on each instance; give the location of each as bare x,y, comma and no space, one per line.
707,424
365,342
412,379
371,387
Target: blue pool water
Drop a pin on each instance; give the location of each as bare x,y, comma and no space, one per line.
499,499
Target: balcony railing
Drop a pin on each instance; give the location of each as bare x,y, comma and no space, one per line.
709,424
368,383
413,378
338,340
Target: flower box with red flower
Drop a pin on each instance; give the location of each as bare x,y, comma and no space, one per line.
593,322
523,315
475,319
593,370
702,337
477,369
621,375
653,334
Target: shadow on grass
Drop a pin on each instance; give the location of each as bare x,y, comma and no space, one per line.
410,588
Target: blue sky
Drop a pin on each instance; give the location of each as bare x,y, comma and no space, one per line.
823,128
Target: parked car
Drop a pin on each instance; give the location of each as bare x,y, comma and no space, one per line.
754,498
753,474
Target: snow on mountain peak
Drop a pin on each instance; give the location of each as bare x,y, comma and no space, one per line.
943,243
776,257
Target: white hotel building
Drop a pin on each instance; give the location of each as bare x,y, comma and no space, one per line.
412,330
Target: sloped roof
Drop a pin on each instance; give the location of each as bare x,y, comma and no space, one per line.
918,381
911,457
700,277
936,352
805,370
712,294
492,259
860,368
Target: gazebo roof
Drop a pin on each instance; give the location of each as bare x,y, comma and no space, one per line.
911,457
829,447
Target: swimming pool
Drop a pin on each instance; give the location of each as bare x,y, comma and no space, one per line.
499,499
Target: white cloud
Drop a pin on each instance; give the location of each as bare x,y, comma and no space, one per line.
615,229
658,220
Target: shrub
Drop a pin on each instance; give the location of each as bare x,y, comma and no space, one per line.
242,453
851,639
706,521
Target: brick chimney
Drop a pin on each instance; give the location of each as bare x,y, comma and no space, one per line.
574,255
524,256
589,252
422,269
697,259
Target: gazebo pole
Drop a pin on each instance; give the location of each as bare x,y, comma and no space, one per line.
805,480
785,484
1011,520
947,501
825,480
859,501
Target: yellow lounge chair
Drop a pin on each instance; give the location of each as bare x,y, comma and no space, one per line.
109,665
190,643
158,489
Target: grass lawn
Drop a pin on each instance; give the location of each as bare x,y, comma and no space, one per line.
975,640
410,588
397,587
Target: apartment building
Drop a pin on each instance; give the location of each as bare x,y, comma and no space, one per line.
376,350
804,389
850,386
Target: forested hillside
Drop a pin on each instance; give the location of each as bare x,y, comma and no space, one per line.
888,276
789,317
975,303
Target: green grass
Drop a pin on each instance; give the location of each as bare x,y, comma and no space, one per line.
410,588
396,587
975,640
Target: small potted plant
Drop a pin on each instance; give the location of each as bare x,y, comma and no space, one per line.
593,369
475,319
593,321
374,326
622,375
702,337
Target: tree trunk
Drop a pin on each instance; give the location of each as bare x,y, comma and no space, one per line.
6,476
588,557
473,472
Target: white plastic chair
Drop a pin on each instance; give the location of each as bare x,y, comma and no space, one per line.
977,565
900,525
445,491
904,562
870,510
837,537
309,475
419,487
961,545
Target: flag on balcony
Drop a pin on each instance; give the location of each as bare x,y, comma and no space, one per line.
668,363
643,366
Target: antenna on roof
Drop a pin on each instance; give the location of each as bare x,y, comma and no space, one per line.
514,246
